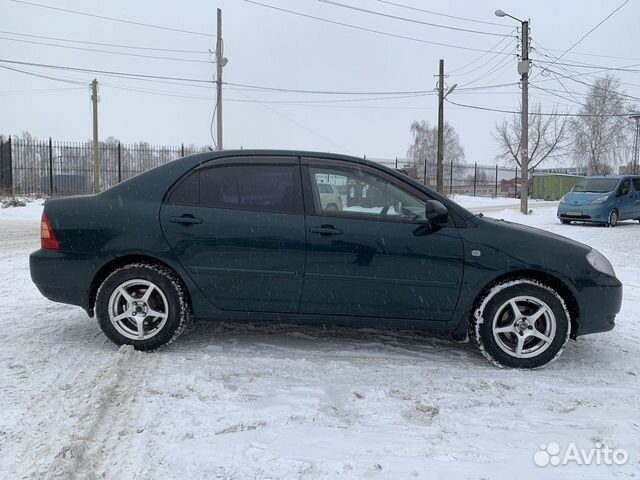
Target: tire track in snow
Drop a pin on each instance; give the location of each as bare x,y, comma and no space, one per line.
101,393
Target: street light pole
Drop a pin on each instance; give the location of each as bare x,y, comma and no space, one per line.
523,70
636,142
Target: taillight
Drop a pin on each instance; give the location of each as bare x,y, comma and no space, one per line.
47,237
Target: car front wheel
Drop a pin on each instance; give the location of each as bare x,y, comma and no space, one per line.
521,324
143,305
613,218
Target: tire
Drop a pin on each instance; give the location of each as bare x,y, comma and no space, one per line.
613,218
506,338
566,222
130,296
332,207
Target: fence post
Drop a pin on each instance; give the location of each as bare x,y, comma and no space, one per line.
396,163
475,177
50,167
182,150
1,166
451,179
496,180
119,162
515,184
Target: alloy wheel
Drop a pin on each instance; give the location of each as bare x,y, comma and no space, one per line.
138,309
524,327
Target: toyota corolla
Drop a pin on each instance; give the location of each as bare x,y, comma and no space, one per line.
247,236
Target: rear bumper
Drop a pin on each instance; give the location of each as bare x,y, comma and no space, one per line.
65,277
599,300
584,213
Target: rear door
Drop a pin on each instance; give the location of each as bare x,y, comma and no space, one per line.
237,227
376,256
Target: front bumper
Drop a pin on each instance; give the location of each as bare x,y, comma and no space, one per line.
584,213
599,301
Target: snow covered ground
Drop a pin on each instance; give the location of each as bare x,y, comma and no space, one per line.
257,402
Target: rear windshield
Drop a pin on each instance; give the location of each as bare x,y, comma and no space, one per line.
596,185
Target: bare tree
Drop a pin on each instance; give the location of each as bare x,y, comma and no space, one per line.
602,132
425,147
548,137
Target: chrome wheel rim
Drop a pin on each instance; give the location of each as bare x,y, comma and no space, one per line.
138,309
524,327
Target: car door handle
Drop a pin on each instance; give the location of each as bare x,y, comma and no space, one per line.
185,220
326,230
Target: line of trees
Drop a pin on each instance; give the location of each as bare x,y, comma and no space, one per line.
597,139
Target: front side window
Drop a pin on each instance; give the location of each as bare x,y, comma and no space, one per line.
258,187
361,193
625,188
636,184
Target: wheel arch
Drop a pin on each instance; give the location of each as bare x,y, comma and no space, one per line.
122,261
547,279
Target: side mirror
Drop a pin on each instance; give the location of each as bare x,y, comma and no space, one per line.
436,213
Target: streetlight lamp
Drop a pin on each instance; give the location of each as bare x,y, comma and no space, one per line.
523,70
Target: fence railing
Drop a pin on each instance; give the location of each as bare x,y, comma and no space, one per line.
54,168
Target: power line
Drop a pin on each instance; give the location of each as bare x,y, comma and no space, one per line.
117,45
591,31
364,29
105,72
453,72
546,114
39,75
411,20
10,93
295,122
138,55
113,19
431,12
499,66
590,85
624,68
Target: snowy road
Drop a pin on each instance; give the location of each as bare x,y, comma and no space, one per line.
303,402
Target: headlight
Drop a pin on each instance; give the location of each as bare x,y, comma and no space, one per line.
600,262
562,199
600,200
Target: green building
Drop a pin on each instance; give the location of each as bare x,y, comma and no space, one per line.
552,186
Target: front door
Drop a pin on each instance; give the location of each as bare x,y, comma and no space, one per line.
237,227
376,256
636,200
626,200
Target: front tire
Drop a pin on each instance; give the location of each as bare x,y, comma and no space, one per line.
521,324
566,222
613,218
142,304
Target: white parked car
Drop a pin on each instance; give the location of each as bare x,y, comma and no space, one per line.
330,199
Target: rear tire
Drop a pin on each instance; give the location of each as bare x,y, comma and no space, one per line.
142,304
332,207
520,324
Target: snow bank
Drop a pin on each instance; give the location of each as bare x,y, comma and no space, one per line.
32,211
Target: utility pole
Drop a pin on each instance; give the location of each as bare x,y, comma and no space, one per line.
96,144
440,157
636,142
219,65
523,69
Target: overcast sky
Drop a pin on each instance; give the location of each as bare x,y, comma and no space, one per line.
277,49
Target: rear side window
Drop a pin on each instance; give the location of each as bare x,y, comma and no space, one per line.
271,188
636,184
187,192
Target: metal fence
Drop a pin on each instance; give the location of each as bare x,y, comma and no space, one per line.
53,168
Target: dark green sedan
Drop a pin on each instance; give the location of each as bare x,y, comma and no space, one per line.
251,236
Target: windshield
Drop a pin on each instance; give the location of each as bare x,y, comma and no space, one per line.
598,185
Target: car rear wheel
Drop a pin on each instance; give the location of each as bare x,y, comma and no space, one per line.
521,324
613,218
332,207
143,305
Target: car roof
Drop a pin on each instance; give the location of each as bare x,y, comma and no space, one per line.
616,177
